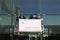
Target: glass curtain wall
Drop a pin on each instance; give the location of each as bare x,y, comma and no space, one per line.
6,16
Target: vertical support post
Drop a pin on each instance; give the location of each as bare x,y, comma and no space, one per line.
41,36
12,18
29,37
48,31
11,27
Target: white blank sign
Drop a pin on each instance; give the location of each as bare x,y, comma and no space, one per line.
29,25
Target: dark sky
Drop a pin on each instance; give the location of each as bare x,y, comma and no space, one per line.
33,6
51,6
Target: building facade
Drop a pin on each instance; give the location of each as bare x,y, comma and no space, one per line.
7,11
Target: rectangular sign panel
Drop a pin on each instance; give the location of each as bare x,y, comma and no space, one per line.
29,25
